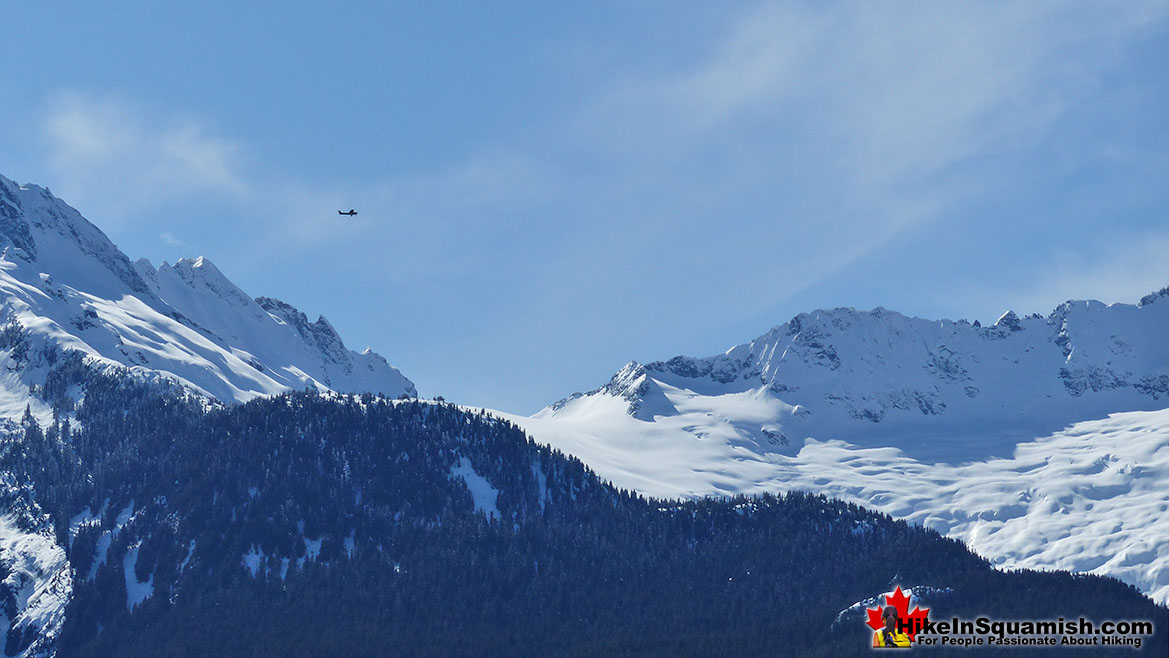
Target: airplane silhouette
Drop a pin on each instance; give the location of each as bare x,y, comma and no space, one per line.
351,212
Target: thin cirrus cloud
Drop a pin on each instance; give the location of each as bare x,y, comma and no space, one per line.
169,239
836,129
160,161
92,141
889,94
127,165
1123,271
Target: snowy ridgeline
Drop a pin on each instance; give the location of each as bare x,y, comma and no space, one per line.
66,285
879,378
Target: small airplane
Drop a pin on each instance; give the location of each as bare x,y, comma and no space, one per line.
351,212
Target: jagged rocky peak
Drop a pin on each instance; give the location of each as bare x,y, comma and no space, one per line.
880,364
1009,321
200,266
629,382
200,272
293,316
319,333
13,229
1154,296
635,384
185,322
147,271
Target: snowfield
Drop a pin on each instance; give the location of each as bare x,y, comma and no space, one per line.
1089,498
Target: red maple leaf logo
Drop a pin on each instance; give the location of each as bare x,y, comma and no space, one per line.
909,621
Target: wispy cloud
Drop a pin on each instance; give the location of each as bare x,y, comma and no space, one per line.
890,93
170,240
840,127
117,158
1116,270
122,162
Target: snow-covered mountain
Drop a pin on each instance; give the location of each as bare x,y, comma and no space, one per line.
63,283
1043,442
67,292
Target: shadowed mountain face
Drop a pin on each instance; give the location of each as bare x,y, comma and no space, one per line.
325,525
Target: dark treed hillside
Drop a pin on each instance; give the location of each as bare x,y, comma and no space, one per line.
306,525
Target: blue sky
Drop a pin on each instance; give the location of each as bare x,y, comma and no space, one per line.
548,190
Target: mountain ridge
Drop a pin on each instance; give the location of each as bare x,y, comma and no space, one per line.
918,366
67,284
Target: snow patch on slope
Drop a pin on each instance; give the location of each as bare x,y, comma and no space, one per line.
106,539
253,559
136,592
484,495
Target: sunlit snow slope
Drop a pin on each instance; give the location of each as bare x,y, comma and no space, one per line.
1042,441
64,282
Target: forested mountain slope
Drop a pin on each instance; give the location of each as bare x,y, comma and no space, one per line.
309,524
